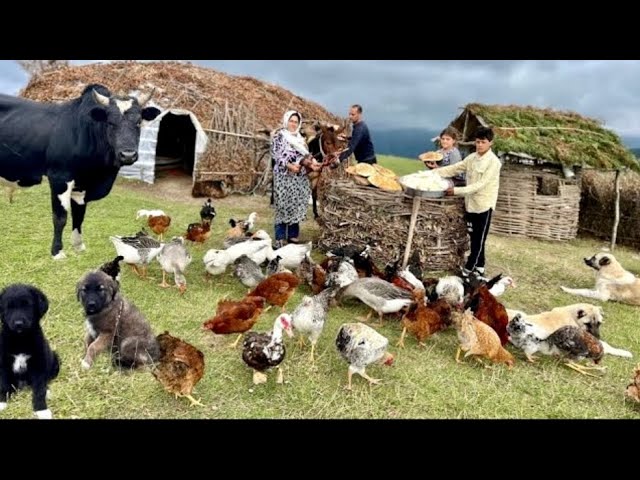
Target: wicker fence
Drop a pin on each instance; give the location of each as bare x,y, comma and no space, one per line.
534,203
356,214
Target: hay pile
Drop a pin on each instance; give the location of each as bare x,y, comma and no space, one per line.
597,206
559,137
238,104
358,214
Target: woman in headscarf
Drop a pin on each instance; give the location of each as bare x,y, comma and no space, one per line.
291,188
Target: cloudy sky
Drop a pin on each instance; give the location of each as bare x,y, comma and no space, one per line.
428,93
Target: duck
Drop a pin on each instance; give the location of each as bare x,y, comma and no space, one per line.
139,249
378,294
174,258
262,351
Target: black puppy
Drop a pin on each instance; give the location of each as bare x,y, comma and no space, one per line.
26,360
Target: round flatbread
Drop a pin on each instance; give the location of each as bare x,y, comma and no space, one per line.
387,184
380,170
361,180
351,169
364,169
431,157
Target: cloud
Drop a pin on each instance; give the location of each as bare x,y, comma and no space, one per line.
427,94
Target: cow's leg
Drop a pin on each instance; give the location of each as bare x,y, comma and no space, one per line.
60,206
78,209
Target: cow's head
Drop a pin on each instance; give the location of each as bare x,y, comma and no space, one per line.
123,117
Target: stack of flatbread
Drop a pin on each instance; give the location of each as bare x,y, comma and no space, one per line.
376,175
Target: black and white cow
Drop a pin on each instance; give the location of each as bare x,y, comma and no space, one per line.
79,145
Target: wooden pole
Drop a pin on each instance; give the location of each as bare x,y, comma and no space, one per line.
412,226
616,220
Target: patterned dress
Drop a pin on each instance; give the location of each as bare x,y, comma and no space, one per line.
291,190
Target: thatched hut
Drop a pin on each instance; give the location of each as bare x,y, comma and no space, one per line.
215,127
544,153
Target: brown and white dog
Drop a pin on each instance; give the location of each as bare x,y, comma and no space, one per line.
613,282
583,315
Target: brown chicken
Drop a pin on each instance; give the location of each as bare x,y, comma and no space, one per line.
478,338
159,225
420,320
277,289
198,232
180,367
633,389
488,310
235,316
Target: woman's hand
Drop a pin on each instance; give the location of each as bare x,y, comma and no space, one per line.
293,168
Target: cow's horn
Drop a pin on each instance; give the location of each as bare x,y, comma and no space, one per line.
144,98
100,98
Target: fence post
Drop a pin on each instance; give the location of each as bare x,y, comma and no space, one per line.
616,217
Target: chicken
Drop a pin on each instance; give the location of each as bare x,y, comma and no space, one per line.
275,266
633,389
207,212
360,345
344,275
416,265
248,271
174,258
501,285
309,316
179,368
198,232
526,336
478,338
241,228
157,221
112,268
362,260
488,310
576,344
451,288
420,320
235,316
277,289
262,351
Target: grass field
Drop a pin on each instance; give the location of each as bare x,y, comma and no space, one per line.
423,383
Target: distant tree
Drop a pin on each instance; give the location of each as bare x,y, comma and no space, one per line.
36,67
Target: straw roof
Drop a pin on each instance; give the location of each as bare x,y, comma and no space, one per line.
179,85
559,137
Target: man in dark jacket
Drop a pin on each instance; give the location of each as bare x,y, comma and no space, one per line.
360,144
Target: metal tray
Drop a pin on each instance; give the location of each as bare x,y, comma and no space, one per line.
414,192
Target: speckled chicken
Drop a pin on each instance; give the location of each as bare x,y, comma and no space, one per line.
309,316
112,268
275,265
360,345
174,259
262,351
478,338
576,344
180,367
633,389
248,272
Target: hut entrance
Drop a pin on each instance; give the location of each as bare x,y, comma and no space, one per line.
175,149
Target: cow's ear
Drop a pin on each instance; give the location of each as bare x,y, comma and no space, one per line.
99,114
149,113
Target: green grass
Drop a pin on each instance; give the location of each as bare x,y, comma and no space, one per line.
423,383
402,166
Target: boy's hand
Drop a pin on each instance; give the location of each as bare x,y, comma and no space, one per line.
449,192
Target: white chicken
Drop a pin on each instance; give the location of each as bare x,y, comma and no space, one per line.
451,288
360,345
501,285
309,316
